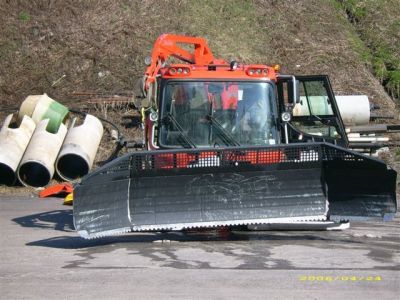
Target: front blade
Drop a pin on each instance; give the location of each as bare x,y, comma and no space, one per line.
187,199
359,187
177,189
173,190
101,205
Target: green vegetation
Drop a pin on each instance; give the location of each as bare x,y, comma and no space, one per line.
397,154
360,48
379,28
355,9
24,16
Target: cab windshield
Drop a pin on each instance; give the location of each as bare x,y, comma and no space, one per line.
214,114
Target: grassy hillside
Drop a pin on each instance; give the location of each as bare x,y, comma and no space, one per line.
60,47
378,24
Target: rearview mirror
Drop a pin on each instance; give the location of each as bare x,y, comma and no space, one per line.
297,91
294,90
292,87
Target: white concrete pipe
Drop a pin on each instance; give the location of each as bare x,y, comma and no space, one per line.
79,149
13,143
355,109
37,165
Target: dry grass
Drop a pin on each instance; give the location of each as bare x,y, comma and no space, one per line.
61,47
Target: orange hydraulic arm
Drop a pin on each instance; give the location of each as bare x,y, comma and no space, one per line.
168,45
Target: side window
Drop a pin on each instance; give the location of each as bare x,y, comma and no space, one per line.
313,100
313,115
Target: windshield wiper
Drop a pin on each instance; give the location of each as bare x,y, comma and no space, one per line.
168,118
225,136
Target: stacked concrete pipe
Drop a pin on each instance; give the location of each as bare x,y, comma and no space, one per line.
14,139
79,149
41,107
37,165
32,145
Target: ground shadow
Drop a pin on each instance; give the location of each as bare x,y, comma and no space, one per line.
68,242
60,220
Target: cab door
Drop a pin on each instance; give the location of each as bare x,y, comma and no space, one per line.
315,115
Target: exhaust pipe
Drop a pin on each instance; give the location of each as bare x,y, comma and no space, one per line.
79,149
13,142
40,107
37,165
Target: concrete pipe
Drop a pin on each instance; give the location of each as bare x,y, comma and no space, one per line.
28,106
79,149
355,109
37,165
13,142
40,107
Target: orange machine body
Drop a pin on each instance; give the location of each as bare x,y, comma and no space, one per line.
192,59
198,63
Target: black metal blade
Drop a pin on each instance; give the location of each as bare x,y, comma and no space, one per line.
176,189
194,200
360,190
101,201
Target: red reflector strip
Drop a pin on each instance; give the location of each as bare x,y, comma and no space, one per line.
210,158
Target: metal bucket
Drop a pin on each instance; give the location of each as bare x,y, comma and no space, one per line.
37,165
79,149
13,141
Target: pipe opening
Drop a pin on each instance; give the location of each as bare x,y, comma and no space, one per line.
72,166
7,175
34,174
14,122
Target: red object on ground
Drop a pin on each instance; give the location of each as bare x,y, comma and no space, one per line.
60,190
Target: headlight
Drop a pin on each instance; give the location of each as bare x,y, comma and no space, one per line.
286,117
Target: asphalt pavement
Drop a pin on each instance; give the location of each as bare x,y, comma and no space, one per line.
42,257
